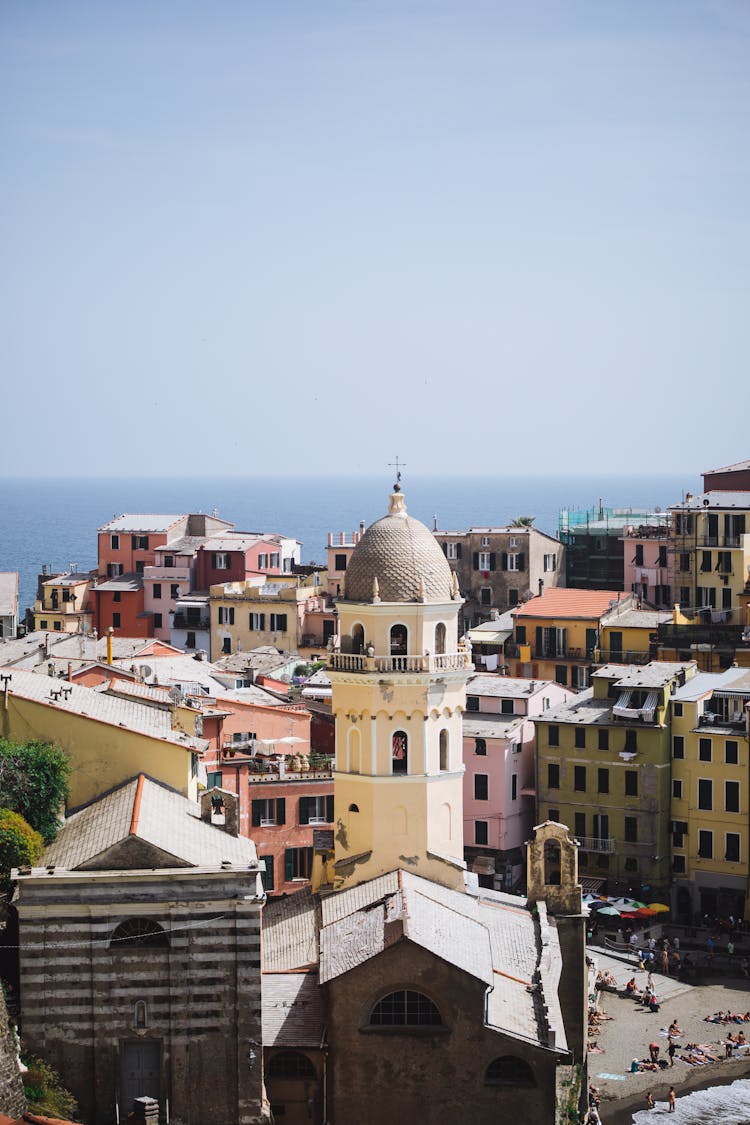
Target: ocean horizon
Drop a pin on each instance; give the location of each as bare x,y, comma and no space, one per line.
46,521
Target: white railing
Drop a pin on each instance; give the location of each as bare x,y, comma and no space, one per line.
357,662
605,845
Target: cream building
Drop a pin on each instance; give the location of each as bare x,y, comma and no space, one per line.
399,693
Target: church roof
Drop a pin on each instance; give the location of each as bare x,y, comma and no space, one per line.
403,556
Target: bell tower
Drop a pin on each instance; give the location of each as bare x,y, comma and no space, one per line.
399,692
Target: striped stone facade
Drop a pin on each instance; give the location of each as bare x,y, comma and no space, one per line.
184,1017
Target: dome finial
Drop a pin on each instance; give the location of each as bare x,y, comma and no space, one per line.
397,506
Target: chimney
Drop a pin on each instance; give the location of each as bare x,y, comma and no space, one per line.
342,538
330,538
145,1111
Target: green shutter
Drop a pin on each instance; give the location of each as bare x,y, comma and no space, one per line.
304,810
268,877
289,864
522,561
256,807
280,810
329,808
503,560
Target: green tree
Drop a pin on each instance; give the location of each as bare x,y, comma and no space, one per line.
19,844
34,783
522,521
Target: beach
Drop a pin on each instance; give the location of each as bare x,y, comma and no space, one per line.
630,1030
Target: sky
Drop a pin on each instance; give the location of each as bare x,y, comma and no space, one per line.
296,237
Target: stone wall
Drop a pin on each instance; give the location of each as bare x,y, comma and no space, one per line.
12,1100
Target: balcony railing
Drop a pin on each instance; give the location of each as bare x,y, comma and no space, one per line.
620,656
182,621
567,654
358,662
605,845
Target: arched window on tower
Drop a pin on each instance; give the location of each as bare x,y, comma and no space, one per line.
358,639
400,752
399,637
552,863
440,638
444,745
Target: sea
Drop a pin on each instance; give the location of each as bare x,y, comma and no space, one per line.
53,521
719,1105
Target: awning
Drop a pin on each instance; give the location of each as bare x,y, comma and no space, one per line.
489,636
591,886
648,710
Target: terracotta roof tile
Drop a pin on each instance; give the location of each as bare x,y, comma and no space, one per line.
563,602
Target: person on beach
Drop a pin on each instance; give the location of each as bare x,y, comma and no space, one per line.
650,1103
671,1048
653,1050
671,1099
674,1029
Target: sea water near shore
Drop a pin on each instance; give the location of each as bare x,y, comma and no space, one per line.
719,1105
54,520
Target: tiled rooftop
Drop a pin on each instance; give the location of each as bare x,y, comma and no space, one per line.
564,602
504,687
491,726
292,1010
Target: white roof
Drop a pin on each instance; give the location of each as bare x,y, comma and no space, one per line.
141,524
8,592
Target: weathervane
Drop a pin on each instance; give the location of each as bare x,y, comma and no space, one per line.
398,466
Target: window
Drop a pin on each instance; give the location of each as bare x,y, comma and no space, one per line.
678,746
580,738
42,624
603,738
278,623
484,561
512,596
452,550
339,562
706,597
481,833
472,702
174,591
724,562
220,560
400,752
678,864
732,852
631,863
481,787
561,674
114,570
480,746
662,558
157,621
631,741
603,781
485,541
550,562
679,832
226,615
731,796
169,560
263,561
678,710
115,620
520,634
705,794
684,595
157,590
405,1009
554,815
705,844
139,542
553,735
139,931
213,779
514,787
513,562
638,558
444,750
506,706
508,1070
485,595
684,561
726,597
117,596
704,749
268,812
190,640
57,626
579,779
268,877
290,1064
316,810
631,783
114,542
579,824
705,561
677,789
399,640
631,829
731,752
297,863
257,622
274,560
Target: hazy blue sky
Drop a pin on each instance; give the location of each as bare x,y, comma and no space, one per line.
486,236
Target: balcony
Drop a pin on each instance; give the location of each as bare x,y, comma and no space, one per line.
358,662
167,573
183,621
566,654
603,845
620,656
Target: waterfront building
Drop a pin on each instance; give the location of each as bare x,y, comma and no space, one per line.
709,813
603,767
64,604
500,567
238,556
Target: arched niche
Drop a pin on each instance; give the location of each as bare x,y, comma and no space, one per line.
440,634
398,639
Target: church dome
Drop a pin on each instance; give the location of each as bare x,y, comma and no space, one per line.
398,559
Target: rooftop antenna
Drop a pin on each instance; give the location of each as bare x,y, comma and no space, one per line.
398,466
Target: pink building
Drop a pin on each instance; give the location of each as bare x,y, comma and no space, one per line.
649,565
238,556
499,782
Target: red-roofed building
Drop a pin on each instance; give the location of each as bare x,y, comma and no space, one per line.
556,634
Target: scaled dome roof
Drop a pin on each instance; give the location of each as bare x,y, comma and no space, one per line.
405,558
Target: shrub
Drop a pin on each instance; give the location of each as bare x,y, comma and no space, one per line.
45,1092
34,783
19,844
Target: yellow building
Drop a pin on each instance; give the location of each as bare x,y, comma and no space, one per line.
629,636
710,838
64,604
107,739
603,769
557,634
399,693
711,541
287,613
